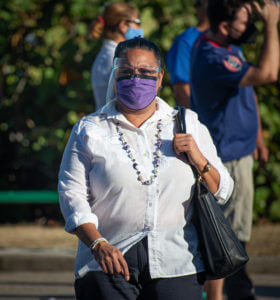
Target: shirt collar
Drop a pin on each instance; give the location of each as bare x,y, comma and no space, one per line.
164,112
215,44
110,43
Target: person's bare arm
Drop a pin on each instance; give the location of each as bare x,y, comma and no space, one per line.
185,143
267,67
182,94
109,257
261,153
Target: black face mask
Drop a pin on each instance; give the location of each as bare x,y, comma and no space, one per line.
249,36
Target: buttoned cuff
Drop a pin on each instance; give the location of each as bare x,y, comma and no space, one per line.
225,187
77,219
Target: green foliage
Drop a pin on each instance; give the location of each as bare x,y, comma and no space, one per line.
45,59
267,178
45,86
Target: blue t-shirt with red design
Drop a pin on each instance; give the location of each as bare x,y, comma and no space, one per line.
228,110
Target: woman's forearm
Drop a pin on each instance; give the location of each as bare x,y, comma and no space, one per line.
87,233
211,178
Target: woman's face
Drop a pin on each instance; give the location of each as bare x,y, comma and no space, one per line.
138,78
132,27
133,21
137,60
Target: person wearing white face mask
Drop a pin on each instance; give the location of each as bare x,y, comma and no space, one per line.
119,22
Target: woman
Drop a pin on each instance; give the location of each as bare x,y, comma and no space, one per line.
125,189
118,22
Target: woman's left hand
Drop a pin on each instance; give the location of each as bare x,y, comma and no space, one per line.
183,142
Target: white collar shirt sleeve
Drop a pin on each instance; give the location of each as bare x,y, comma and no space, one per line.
98,184
100,72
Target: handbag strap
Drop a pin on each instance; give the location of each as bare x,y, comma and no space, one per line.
180,119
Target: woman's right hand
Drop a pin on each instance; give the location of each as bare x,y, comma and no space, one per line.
111,259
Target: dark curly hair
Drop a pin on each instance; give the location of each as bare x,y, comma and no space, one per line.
222,10
139,43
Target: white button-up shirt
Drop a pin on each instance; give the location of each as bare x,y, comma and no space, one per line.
98,184
100,72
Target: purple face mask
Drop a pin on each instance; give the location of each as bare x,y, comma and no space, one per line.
136,93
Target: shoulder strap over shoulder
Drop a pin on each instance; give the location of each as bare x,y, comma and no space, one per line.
180,119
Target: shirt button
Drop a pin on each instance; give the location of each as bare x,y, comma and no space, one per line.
149,228
150,204
146,154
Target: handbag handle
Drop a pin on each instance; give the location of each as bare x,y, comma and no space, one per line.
180,119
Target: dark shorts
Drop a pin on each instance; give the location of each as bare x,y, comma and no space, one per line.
101,286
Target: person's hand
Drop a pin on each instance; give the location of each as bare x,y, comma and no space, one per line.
185,143
111,259
269,13
248,8
261,154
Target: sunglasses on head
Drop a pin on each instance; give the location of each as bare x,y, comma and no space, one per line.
136,21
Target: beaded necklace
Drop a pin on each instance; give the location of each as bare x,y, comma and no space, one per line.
157,154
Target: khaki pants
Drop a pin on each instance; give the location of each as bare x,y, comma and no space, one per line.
239,209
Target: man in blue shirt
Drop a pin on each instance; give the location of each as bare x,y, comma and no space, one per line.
178,57
223,97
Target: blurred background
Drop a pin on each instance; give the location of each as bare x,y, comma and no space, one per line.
46,54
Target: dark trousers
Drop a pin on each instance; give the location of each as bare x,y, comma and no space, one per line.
239,286
100,286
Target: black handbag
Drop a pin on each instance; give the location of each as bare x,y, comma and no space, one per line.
222,253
